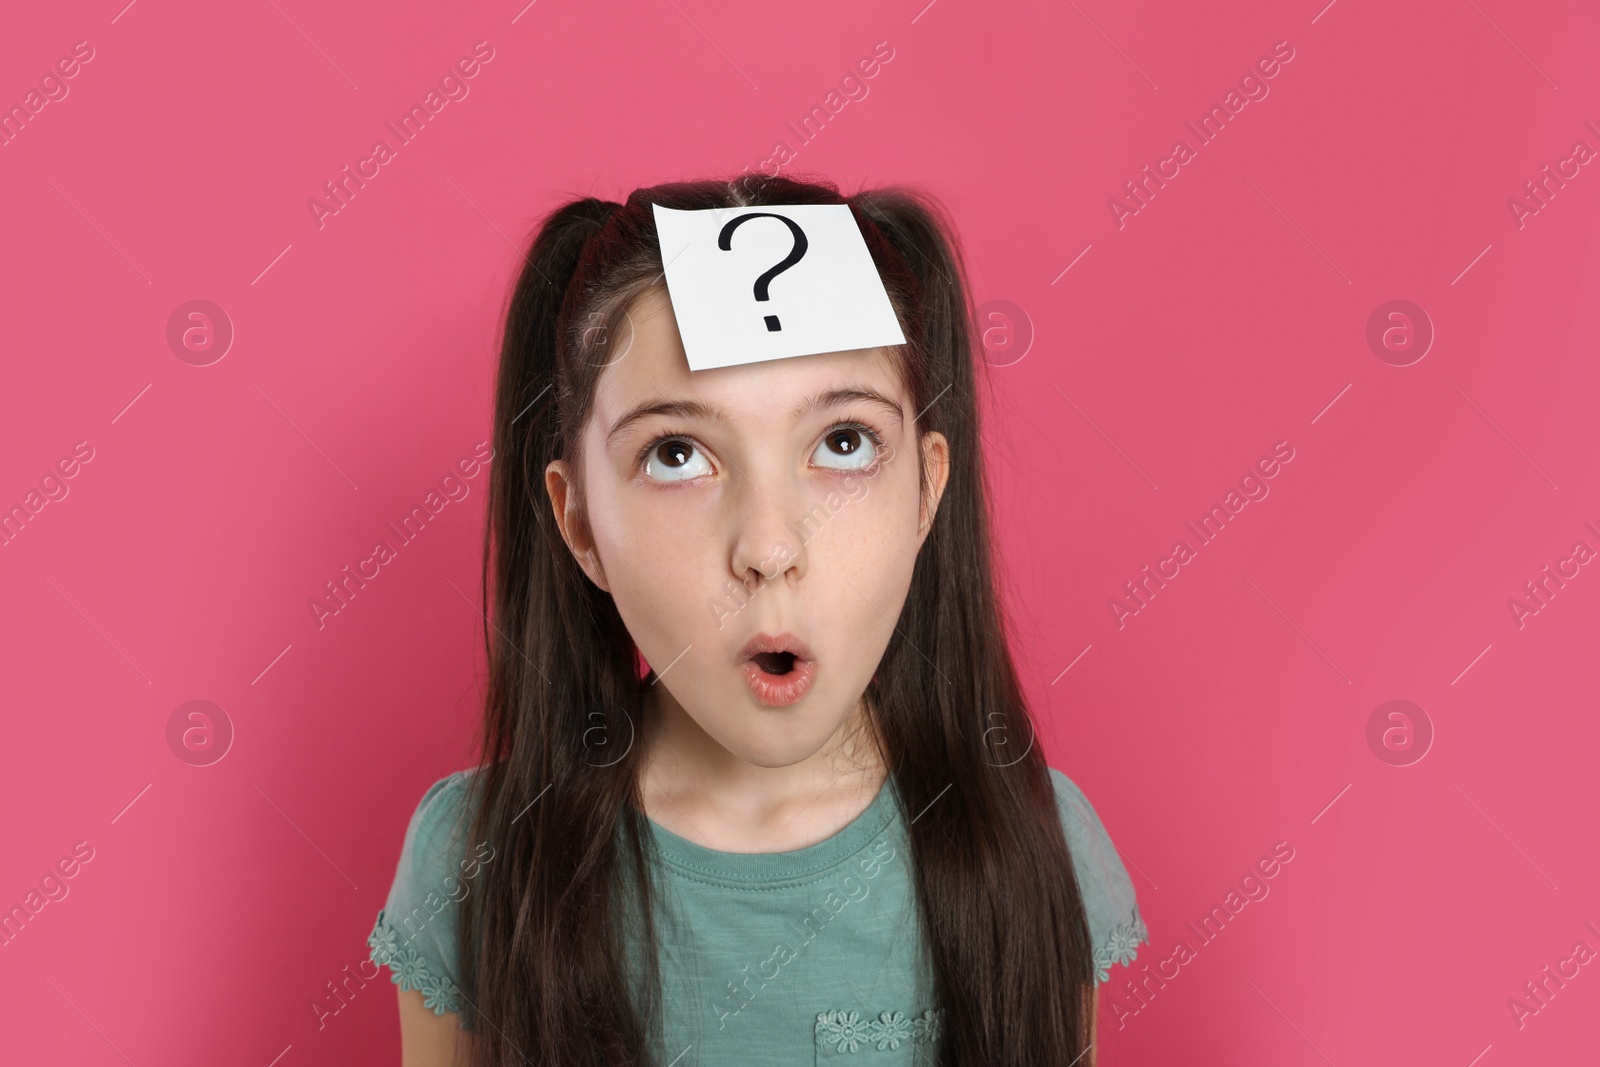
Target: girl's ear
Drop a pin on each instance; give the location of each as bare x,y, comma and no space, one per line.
570,521
936,461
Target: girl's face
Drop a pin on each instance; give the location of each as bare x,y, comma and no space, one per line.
756,526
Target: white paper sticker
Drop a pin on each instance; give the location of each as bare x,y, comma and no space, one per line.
767,282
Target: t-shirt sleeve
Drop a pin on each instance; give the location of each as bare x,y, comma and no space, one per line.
1115,928
415,932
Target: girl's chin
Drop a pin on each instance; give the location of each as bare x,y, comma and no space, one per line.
774,753
776,737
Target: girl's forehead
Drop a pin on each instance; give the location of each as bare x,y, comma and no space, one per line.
654,369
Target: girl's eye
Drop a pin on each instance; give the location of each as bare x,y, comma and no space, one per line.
845,448
675,460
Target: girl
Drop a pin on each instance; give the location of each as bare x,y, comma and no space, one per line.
758,782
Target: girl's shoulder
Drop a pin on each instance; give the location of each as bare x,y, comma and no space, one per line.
1115,927
443,804
415,931
435,840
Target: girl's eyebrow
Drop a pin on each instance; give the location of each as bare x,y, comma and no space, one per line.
683,409
695,409
849,394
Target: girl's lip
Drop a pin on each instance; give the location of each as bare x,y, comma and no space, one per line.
784,642
780,690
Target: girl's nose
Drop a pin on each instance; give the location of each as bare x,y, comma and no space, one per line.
768,542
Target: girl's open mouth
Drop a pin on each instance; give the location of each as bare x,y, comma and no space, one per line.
779,663
779,670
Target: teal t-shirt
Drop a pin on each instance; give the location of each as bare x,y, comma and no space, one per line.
766,958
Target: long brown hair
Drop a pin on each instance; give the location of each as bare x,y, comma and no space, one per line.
545,944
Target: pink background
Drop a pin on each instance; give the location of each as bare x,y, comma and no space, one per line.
1229,314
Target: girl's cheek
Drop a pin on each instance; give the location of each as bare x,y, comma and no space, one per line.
885,510
659,560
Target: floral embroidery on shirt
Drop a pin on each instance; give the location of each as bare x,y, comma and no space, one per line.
843,1028
1120,946
383,943
847,1031
928,1027
440,995
408,969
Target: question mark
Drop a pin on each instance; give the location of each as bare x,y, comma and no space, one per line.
725,242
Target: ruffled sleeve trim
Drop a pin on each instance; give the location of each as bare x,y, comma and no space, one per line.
1120,945
408,968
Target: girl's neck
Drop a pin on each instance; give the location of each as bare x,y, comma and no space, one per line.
697,789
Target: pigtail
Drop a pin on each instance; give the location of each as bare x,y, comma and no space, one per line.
544,943
924,261
1002,912
527,415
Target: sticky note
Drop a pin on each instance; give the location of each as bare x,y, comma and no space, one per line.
763,282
